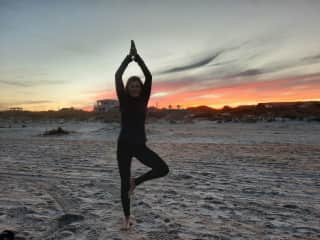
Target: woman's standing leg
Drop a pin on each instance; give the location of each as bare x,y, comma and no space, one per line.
124,156
159,168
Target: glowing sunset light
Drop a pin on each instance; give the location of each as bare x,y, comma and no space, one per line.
45,65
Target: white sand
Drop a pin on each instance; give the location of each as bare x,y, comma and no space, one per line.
226,181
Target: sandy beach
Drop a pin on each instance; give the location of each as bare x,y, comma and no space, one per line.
226,181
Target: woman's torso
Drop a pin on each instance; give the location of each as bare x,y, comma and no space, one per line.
133,115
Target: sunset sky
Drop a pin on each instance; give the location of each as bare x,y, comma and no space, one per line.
56,54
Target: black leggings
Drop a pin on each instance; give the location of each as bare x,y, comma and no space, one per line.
125,152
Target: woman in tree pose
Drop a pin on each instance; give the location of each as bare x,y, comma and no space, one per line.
133,100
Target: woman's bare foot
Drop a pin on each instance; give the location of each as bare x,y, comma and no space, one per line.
132,186
127,223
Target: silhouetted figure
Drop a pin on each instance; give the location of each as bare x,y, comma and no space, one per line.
132,139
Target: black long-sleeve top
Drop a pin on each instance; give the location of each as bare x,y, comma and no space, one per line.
133,109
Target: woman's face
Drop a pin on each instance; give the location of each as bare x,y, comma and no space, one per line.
134,89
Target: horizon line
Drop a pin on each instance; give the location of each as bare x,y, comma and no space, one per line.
173,106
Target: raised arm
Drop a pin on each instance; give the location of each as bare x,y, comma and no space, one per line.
118,77
147,75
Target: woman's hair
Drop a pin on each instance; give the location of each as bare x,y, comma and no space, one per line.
133,79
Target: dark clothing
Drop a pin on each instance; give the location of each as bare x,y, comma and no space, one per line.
133,109
132,137
125,152
133,115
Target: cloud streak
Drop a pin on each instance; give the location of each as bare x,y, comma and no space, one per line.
280,66
6,105
32,102
200,62
31,83
230,72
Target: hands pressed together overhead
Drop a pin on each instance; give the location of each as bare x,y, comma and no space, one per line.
133,54
133,50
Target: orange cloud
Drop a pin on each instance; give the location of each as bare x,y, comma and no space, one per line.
297,88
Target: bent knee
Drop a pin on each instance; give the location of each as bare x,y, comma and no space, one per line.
165,170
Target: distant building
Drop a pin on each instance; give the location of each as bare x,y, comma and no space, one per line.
104,105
